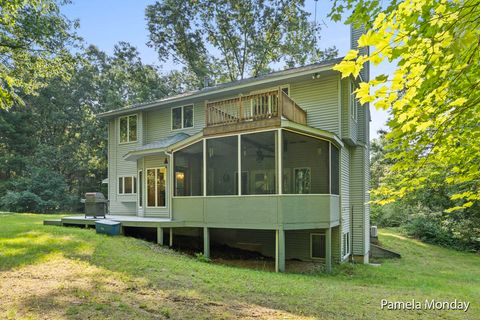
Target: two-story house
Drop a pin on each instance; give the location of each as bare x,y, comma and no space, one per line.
277,164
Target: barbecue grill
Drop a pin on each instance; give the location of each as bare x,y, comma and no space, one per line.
95,204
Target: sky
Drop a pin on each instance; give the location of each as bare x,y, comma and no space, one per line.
106,22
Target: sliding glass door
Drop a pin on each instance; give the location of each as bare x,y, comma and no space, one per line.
156,187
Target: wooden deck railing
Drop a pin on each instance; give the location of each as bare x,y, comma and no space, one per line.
260,106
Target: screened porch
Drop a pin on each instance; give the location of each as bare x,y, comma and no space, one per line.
262,178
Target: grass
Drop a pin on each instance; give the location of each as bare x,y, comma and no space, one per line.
53,272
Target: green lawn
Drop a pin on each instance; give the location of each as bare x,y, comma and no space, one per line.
53,272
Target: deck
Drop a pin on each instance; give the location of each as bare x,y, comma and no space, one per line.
260,110
127,221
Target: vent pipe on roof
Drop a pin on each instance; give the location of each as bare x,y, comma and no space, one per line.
206,81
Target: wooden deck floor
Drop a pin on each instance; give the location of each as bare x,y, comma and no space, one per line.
127,221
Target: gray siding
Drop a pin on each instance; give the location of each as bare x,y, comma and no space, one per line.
122,204
319,98
344,192
367,196
358,191
349,125
159,123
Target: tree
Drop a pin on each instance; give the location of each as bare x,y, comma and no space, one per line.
433,95
231,39
52,148
34,42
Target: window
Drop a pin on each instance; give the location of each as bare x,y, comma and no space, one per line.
182,117
128,129
305,164
188,177
353,101
258,163
334,170
346,244
222,166
140,189
156,190
127,185
317,246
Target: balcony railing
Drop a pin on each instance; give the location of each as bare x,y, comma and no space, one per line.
260,106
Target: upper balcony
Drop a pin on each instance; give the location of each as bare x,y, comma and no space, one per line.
264,109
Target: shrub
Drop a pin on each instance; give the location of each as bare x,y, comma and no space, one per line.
40,191
23,201
389,215
429,228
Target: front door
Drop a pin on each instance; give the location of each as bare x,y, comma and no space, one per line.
156,190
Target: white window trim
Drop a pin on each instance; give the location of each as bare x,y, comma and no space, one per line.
353,102
182,108
311,246
128,129
139,183
156,193
134,179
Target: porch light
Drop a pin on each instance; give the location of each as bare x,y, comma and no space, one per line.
165,161
179,175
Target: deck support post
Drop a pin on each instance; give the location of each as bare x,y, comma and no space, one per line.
279,250
206,242
170,244
328,249
160,236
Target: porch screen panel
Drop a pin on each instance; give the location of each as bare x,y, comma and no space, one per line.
305,164
222,166
188,176
335,168
258,163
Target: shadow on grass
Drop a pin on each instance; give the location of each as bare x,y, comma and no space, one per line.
30,247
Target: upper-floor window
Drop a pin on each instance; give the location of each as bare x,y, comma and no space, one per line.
182,117
353,101
128,129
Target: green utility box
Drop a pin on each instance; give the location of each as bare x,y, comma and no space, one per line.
112,228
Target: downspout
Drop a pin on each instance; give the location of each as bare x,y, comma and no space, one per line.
351,236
